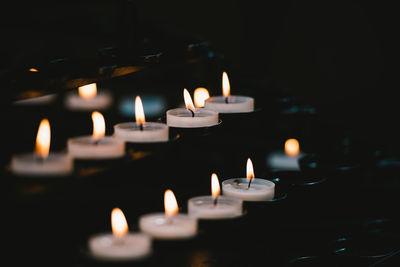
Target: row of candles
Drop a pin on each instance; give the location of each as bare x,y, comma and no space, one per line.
122,245
172,225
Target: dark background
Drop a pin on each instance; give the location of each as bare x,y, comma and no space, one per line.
337,55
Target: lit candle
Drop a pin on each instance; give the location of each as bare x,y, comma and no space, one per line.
215,206
120,245
42,163
190,117
287,159
171,225
228,103
141,131
88,99
97,146
250,188
200,95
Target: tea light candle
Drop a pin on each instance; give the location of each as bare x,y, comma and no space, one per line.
288,159
227,103
215,206
141,131
170,225
97,146
190,117
120,245
88,99
250,188
42,163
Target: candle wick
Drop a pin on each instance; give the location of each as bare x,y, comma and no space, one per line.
40,159
226,100
215,201
119,240
141,126
248,186
191,112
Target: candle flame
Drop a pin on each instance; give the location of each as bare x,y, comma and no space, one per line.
292,147
215,188
88,91
33,70
139,111
99,125
226,88
188,100
43,139
170,204
119,225
249,170
200,95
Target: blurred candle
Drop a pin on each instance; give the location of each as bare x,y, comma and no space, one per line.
88,98
42,162
287,159
120,245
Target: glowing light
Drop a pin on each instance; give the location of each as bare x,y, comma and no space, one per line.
215,188
119,225
200,95
88,91
249,170
226,88
292,147
139,111
188,100
99,125
170,204
43,139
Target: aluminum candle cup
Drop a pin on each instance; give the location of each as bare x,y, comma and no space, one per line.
259,190
204,207
86,147
234,104
182,118
56,164
160,226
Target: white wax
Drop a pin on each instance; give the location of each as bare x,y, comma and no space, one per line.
40,100
203,207
152,132
280,161
157,225
85,147
260,189
56,164
236,104
182,118
129,247
101,101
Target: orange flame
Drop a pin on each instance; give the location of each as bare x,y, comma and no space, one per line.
33,70
215,188
99,125
119,225
188,100
88,91
200,95
139,111
249,170
43,139
226,88
170,204
292,147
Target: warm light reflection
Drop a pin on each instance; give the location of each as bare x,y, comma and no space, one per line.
292,147
119,225
33,70
249,170
200,95
88,91
215,188
99,125
226,88
43,139
139,111
170,204
188,100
